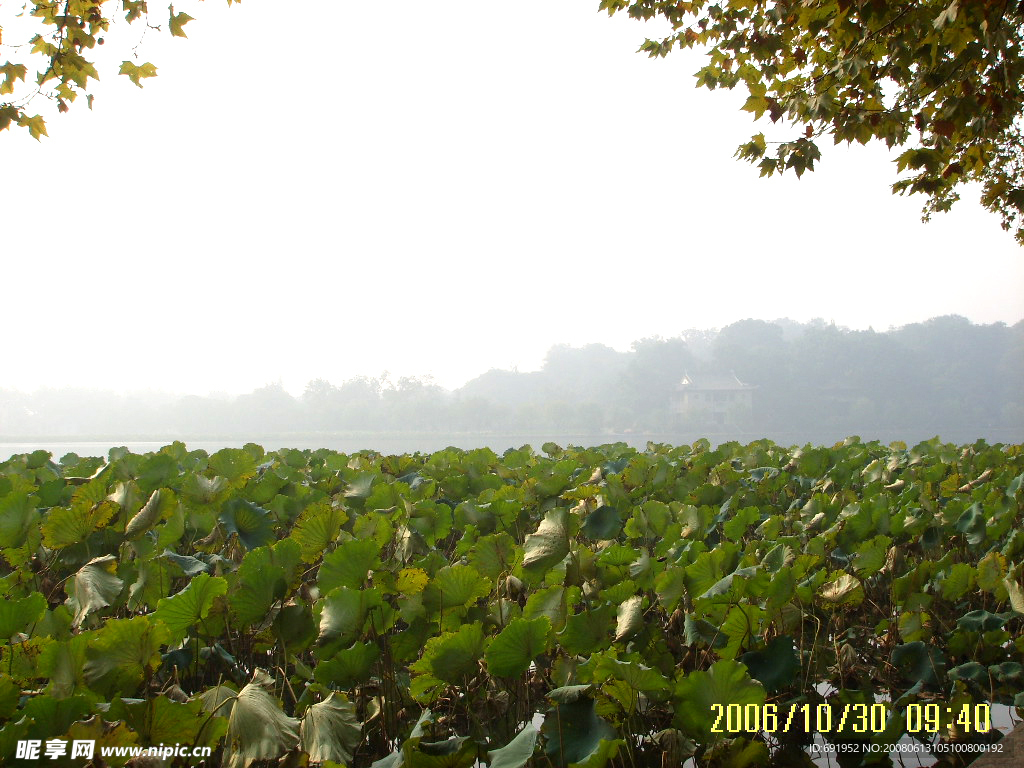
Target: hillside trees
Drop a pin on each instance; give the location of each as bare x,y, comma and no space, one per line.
944,77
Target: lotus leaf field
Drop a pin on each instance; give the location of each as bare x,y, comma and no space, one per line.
569,607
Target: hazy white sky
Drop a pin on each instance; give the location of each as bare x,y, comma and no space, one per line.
336,188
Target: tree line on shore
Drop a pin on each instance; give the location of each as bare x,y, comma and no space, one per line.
944,376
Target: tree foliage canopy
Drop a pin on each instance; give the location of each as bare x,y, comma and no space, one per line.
59,57
944,77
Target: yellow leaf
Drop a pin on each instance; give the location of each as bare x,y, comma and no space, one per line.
36,125
178,22
411,580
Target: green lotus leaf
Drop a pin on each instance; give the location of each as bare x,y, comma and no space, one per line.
161,721
104,736
725,682
918,662
330,730
219,699
636,676
397,758
317,527
373,525
960,580
550,602
776,666
510,653
695,521
433,521
617,556
455,586
734,585
456,752
494,555
972,671
567,694
588,631
10,694
843,590
348,667
18,518
972,524
650,520
549,545
191,605
573,732
1015,594
20,614
602,524
159,507
606,750
63,664
982,621
190,566
152,584
47,715
253,524
697,631
742,622
516,753
263,580
94,586
360,486
620,593
295,625
202,489
233,464
257,728
123,653
707,570
740,753
777,557
629,618
812,462
670,585
735,527
343,616
348,565
1009,673
871,555
991,572
453,656
66,526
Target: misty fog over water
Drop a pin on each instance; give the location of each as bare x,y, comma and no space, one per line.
792,383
